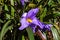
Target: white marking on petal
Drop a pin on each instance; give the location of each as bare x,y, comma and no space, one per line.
50,25
24,14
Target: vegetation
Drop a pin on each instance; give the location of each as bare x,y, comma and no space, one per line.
12,10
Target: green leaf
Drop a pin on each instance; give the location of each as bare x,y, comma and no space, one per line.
56,14
1,21
58,1
8,28
4,28
43,14
0,9
12,9
7,16
55,33
1,2
59,31
30,33
50,2
52,15
32,5
12,2
23,37
38,0
6,7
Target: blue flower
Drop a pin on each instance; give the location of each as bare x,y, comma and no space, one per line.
29,19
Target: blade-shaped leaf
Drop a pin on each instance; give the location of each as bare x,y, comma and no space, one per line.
56,14
1,21
58,1
51,2
30,33
12,9
4,28
23,37
7,16
55,33
8,28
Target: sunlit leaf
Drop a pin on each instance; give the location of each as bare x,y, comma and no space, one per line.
55,33
6,7
50,2
7,16
32,5
23,37
56,26
12,9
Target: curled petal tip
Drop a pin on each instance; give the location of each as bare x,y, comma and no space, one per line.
32,13
50,25
20,28
36,10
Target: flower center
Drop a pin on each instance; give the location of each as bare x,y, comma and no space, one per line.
29,20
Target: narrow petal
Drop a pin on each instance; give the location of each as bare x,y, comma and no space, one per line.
32,13
48,26
22,2
38,23
42,26
24,24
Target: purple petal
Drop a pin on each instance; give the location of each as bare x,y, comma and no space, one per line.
38,23
33,26
42,26
48,26
22,2
24,24
34,29
32,13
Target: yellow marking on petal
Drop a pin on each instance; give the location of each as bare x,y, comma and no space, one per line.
29,20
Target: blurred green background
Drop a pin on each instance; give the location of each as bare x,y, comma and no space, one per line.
10,14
